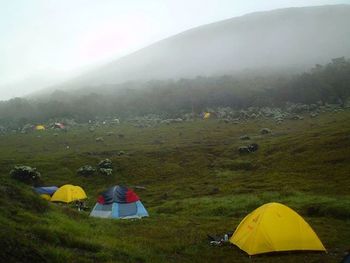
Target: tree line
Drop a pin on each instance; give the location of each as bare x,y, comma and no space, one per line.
328,83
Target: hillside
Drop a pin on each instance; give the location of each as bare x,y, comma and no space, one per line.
196,184
291,39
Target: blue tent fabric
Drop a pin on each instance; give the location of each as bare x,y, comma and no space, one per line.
48,190
120,210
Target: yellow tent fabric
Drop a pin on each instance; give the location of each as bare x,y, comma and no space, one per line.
40,127
46,197
275,227
68,193
206,115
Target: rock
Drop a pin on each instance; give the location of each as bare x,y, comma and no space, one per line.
109,133
91,129
120,153
253,147
26,174
244,137
106,164
99,139
121,136
265,131
296,117
86,170
55,134
27,128
106,171
313,114
243,149
248,149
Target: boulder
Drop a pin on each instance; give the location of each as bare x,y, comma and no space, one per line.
243,149
244,137
99,139
253,147
106,164
26,174
86,170
106,171
265,131
313,114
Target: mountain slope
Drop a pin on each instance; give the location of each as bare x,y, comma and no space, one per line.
292,38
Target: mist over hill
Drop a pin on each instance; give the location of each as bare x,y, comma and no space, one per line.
291,39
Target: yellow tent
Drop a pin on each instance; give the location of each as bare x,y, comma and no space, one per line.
46,197
275,227
40,127
206,115
68,193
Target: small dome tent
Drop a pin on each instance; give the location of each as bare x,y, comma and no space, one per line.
40,127
207,115
275,227
46,191
68,193
119,202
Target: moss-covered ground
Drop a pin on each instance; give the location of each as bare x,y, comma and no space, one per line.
196,184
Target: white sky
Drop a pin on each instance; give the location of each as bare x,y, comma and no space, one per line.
48,37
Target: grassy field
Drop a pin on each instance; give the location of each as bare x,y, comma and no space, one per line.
196,184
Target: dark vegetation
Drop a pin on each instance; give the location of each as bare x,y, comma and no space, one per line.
329,83
195,184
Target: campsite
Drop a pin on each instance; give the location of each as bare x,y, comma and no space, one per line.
194,184
175,131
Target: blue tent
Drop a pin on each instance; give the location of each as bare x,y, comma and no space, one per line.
119,202
47,190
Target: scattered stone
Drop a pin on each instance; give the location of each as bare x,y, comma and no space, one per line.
265,131
120,153
106,171
244,137
248,149
91,129
26,174
106,164
110,133
99,139
243,149
253,147
313,114
86,170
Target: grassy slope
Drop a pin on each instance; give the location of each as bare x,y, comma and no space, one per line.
196,184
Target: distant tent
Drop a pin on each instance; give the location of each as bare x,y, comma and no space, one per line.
40,127
119,202
275,227
46,197
206,115
68,193
49,190
46,192
59,125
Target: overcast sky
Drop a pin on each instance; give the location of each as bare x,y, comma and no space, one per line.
44,40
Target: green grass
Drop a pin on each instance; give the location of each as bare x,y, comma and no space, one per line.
196,184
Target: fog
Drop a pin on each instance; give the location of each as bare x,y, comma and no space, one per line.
45,43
